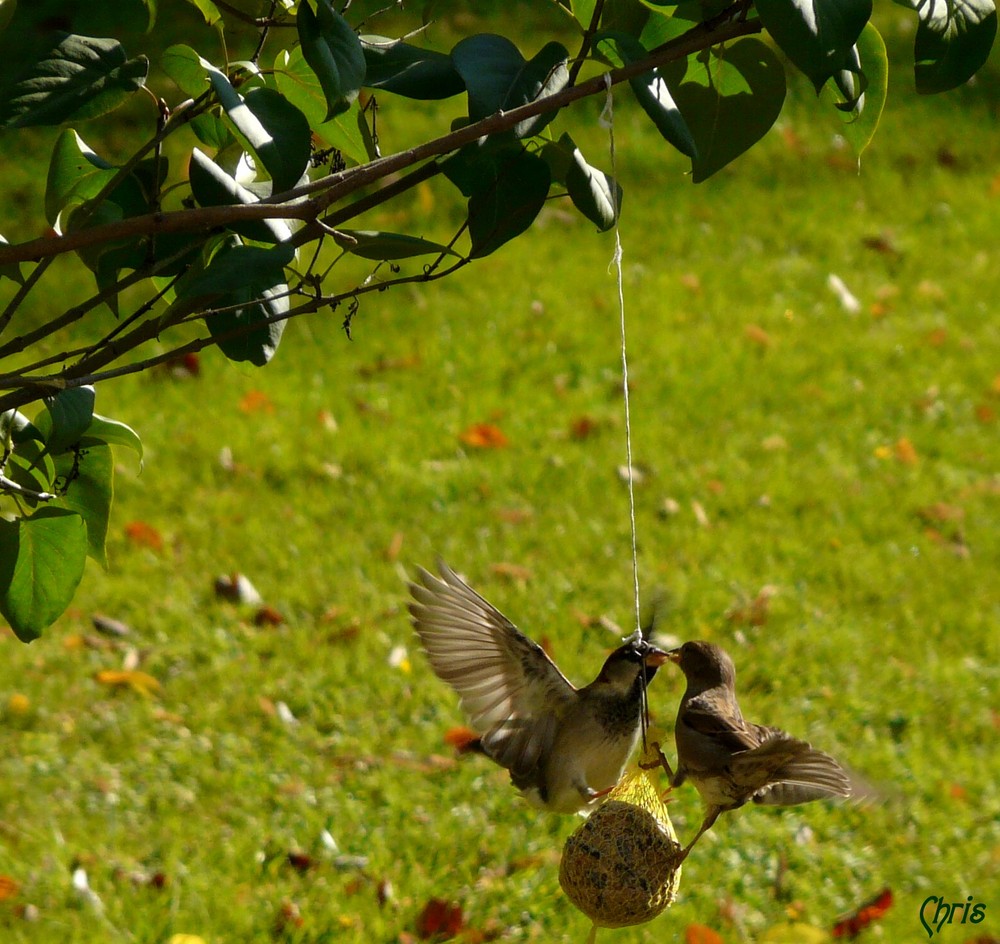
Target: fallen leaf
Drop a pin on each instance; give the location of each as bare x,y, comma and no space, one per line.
384,892
515,515
255,401
484,436
583,427
384,364
439,919
8,888
145,535
287,918
141,683
268,616
851,925
755,334
699,934
985,414
882,244
515,572
941,512
301,861
17,704
461,738
395,546
937,337
691,282
905,452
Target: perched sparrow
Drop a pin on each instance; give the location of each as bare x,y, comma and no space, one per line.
730,760
564,747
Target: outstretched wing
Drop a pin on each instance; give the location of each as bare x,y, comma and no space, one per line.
511,690
805,773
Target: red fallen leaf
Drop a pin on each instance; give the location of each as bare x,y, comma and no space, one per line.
288,917
267,616
755,334
985,414
255,401
484,436
699,934
439,919
461,738
145,535
956,791
301,861
851,925
583,427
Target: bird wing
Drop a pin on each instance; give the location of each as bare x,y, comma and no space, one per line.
805,773
511,690
714,716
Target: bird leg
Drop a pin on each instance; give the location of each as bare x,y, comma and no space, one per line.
661,761
710,817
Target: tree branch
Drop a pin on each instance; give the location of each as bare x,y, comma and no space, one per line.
330,189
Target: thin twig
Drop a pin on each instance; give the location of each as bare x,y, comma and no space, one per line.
588,39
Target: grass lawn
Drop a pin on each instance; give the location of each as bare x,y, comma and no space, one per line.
820,494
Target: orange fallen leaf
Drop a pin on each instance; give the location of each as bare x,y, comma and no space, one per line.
985,414
515,515
145,535
8,888
699,934
905,452
268,616
583,427
941,512
255,401
516,572
937,337
18,704
395,546
755,334
484,436
142,683
853,924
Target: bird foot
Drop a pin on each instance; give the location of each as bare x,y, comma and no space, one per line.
661,761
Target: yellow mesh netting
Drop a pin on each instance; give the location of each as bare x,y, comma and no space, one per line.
620,867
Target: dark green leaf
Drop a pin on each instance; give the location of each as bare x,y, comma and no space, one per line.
70,413
41,564
732,96
953,41
12,271
541,76
503,211
489,65
212,131
19,428
212,186
475,167
817,35
285,152
81,77
76,174
89,492
860,122
333,52
651,91
298,83
409,71
373,244
595,194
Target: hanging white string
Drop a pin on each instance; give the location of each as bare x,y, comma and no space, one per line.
607,120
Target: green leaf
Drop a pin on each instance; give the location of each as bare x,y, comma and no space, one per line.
500,212
595,194
299,84
89,492
212,131
377,245
475,167
543,75
953,41
108,432
409,71
70,413
42,558
13,270
817,35
651,91
250,281
7,8
81,77
333,52
212,186
208,10
285,151
32,467
76,174
863,119
489,65
19,428
186,68
732,96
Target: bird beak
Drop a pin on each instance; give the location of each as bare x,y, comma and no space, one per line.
674,655
656,657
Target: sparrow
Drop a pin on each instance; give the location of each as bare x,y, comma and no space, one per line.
564,747
730,760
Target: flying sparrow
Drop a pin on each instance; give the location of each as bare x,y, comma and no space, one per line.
731,761
564,747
